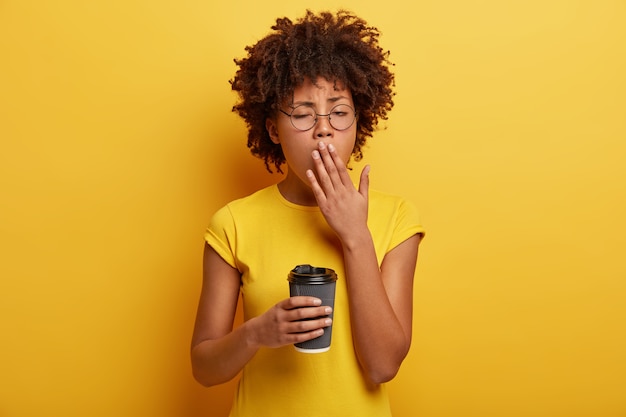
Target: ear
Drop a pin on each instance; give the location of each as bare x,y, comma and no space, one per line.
272,129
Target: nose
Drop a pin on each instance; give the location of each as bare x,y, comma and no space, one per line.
322,128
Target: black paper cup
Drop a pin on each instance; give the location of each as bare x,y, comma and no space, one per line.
320,283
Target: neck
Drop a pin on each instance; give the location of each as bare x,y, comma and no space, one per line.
296,191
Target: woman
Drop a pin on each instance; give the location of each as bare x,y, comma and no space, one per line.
311,93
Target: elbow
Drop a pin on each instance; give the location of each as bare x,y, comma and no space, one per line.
209,379
199,372
382,375
203,379
206,375
381,371
378,371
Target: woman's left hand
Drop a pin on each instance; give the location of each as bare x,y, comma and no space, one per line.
343,206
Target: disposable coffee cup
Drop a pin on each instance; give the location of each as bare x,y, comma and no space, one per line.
320,283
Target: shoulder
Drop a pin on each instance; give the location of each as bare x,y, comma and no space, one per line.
255,201
247,213
260,208
385,201
391,210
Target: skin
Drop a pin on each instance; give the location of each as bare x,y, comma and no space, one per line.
381,302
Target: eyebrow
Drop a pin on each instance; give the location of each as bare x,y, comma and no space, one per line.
310,103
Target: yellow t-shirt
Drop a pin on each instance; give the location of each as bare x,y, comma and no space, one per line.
265,236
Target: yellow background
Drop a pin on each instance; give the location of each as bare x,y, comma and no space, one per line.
117,144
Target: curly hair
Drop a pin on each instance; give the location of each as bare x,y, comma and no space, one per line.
341,48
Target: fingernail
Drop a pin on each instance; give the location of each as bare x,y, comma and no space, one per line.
328,322
322,145
316,155
328,310
331,147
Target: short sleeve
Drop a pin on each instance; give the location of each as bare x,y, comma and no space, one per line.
221,235
408,223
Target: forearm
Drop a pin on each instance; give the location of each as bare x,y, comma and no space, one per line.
380,341
219,360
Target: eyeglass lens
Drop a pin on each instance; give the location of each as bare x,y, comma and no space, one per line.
341,117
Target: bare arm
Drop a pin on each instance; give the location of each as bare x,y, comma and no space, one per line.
381,305
380,299
218,352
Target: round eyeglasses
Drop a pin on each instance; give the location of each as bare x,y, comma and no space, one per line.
303,117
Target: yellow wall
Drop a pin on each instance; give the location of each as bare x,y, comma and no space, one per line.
117,144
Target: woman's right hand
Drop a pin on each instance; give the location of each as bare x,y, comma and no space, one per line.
219,351
283,324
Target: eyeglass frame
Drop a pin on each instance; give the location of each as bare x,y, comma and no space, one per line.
317,115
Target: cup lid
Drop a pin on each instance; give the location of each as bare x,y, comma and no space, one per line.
309,274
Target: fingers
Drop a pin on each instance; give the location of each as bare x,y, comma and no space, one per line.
299,301
298,327
321,182
364,182
303,308
293,320
301,320
330,168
